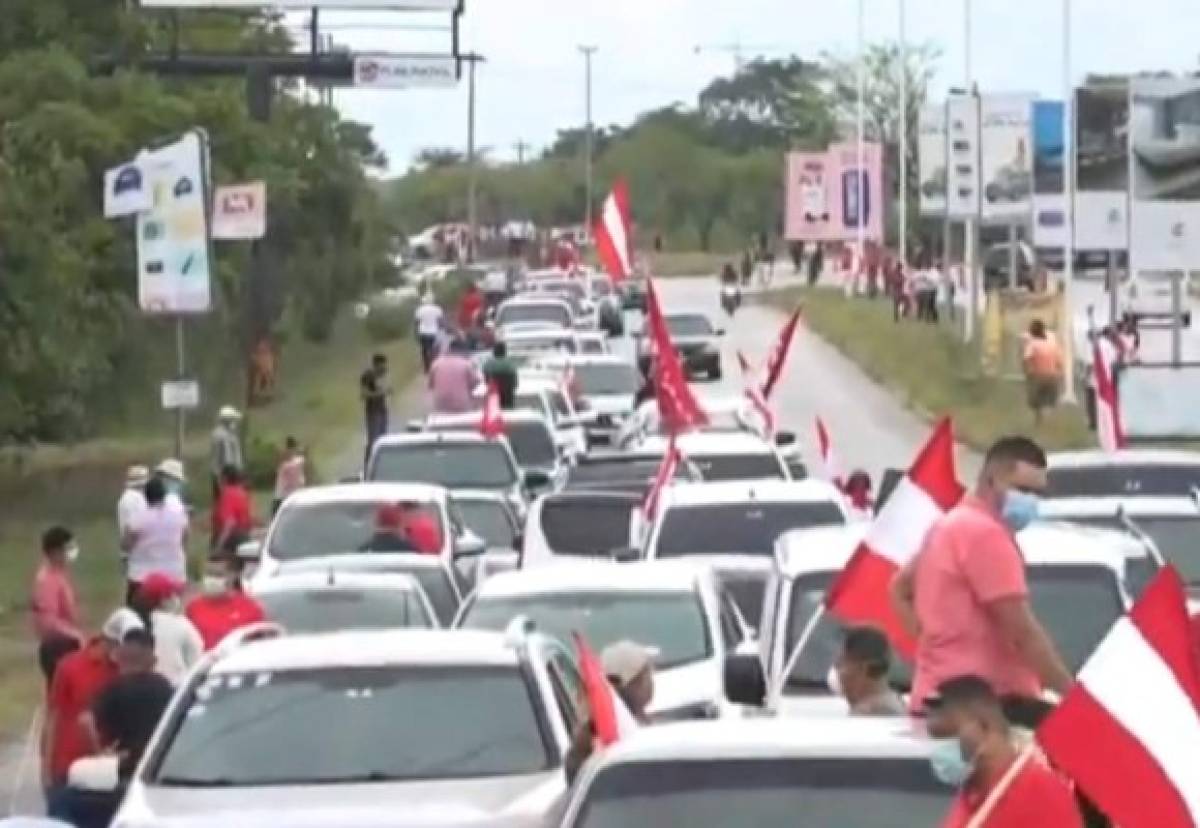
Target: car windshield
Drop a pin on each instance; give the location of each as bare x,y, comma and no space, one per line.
331,609
591,346
534,402
753,466
746,528
346,725
490,521
453,465
434,577
619,475
530,440
1076,604
1175,538
539,345
1135,480
587,526
767,793
614,378
670,622
317,529
689,325
552,312
565,287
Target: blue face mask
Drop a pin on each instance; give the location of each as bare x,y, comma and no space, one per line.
1020,509
949,766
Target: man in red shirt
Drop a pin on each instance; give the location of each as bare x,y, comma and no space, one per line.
232,516
79,679
964,596
223,606
54,607
999,784
469,308
1196,641
421,528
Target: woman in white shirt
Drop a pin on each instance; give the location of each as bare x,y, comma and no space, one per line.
156,540
177,644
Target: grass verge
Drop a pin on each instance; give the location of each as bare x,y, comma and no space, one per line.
688,264
930,370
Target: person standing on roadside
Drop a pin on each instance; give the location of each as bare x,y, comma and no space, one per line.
861,673
177,643
502,372
374,389
1043,362
429,320
54,606
964,596
223,606
226,445
172,474
452,381
130,503
156,540
233,517
289,475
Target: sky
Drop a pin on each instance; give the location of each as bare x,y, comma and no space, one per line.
652,53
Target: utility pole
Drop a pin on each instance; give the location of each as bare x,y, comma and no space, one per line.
587,52
904,133
520,147
472,161
860,127
1069,156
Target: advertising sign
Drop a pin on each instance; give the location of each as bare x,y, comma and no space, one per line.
1102,168
172,236
1049,182
308,5
405,71
1164,129
823,194
178,394
962,157
931,155
1007,160
240,212
854,210
809,212
125,190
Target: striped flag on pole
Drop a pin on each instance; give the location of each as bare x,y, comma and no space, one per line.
1108,408
614,233
829,462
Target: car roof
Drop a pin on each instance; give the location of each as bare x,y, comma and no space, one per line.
686,312
595,576
1124,457
514,336
1066,508
423,438
562,360
749,491
471,418
589,496
789,737
373,492
710,442
460,495
374,648
360,562
315,581
534,299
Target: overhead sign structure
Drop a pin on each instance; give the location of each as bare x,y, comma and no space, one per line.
380,71
240,212
1049,183
931,153
308,5
172,235
823,188
1102,168
1006,160
962,157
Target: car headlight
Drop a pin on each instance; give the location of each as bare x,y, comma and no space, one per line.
688,713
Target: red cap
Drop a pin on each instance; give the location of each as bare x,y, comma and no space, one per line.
159,587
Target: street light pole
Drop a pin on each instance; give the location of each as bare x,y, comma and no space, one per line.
587,52
1069,150
904,132
472,161
861,118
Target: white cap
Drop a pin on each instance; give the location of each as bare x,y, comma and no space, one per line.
94,773
136,476
626,660
171,467
228,412
121,623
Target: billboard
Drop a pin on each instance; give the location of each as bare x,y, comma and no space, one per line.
823,194
1006,159
962,158
172,236
1102,168
308,5
405,71
1049,181
1159,401
931,159
1164,164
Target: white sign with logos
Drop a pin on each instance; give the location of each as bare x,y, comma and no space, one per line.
240,212
172,236
962,156
405,71
931,151
1006,167
178,394
125,190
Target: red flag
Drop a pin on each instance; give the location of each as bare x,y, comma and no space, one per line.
598,692
829,461
929,490
662,479
754,394
677,406
614,233
491,421
1108,408
1128,732
779,354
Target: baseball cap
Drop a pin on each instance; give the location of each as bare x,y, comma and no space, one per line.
172,467
158,587
626,660
228,412
120,623
136,475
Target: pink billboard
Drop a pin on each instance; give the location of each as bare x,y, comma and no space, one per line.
823,201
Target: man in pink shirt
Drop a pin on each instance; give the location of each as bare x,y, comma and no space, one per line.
53,604
452,381
964,596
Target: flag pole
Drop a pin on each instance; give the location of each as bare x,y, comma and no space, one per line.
809,630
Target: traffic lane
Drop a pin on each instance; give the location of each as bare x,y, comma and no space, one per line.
868,427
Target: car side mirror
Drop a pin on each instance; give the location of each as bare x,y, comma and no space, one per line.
785,438
626,554
536,479
250,551
744,680
469,545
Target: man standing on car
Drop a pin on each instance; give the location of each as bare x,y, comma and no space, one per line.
964,596
502,372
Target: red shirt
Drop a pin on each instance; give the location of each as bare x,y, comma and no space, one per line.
216,616
233,509
423,532
1196,641
55,609
468,308
1037,798
79,678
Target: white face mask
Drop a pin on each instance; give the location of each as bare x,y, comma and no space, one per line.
72,553
213,584
172,606
834,681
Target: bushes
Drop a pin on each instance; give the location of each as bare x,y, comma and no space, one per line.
262,456
389,322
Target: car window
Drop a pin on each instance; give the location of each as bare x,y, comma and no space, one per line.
671,622
808,793
534,312
607,379
731,629
1175,538
330,609
1135,480
619,475
490,521
568,691
689,325
738,528
747,589
586,527
301,727
455,466
752,466
318,529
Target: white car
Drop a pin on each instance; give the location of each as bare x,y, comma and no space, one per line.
606,384
1128,473
572,291
527,309
326,602
580,524
543,392
864,772
491,517
734,525
528,344
364,729
531,435
592,343
677,610
720,455
1076,581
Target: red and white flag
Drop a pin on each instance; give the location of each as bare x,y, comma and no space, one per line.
779,353
830,466
610,718
929,490
1108,406
678,409
662,479
754,393
491,420
614,233
1128,732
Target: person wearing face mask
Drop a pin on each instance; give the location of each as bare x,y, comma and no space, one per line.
177,643
223,606
53,605
964,597
1000,784
860,674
